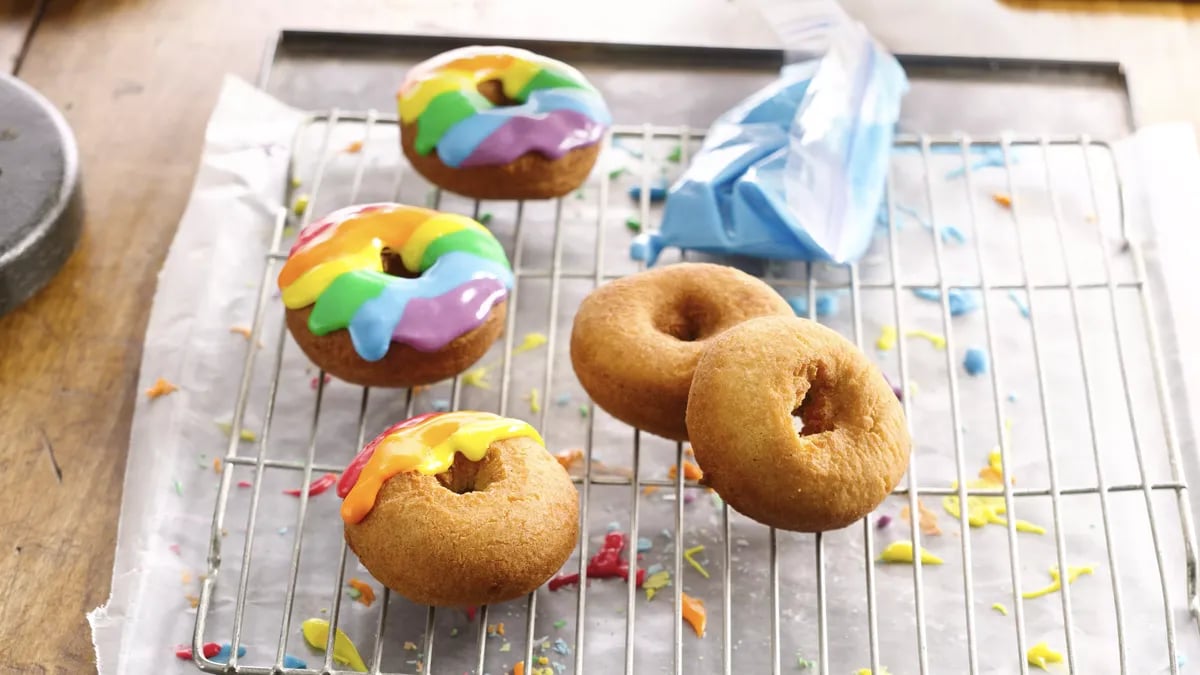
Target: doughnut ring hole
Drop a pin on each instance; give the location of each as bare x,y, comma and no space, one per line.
465,476
493,91
816,401
393,265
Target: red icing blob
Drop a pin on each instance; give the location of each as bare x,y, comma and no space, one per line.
350,475
317,486
606,564
210,650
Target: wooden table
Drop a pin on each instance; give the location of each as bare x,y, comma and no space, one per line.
137,79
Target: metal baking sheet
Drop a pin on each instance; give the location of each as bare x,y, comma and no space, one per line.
1082,383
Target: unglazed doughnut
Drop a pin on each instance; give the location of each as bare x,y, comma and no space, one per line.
751,381
501,123
461,508
355,308
635,341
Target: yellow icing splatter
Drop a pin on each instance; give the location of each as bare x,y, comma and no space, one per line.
1000,608
477,377
530,341
936,340
656,582
316,633
687,555
902,552
887,338
1041,654
535,404
1073,573
867,671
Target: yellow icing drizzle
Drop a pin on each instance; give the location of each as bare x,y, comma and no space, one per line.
1073,573
316,634
887,338
305,290
429,448
513,74
902,552
1041,654
999,607
429,231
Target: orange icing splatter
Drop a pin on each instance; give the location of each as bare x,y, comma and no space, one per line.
690,471
1003,199
694,613
244,331
353,148
366,593
161,387
568,458
928,520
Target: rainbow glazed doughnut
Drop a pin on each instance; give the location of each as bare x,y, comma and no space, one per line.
752,381
501,123
386,295
461,508
636,340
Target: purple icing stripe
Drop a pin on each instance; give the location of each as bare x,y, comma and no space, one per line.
552,134
428,324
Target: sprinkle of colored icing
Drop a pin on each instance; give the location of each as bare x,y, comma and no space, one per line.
569,458
644,544
530,341
975,362
553,108
658,191
216,465
583,410
316,634
694,613
827,304
410,646
617,173
161,387
867,671
936,340
326,379
244,331
959,300
1003,199
210,649
535,404
803,663
485,218
562,399
317,486
425,444
1000,608
244,434
1040,654
366,593
354,593
353,148
633,225
477,377
178,487
560,623
300,205
687,555
883,521
506,647
676,154
951,233
606,564
902,552
1073,573
441,405
245,484
691,471
1021,306
887,338
290,661
226,650
337,266
192,600
656,582
928,521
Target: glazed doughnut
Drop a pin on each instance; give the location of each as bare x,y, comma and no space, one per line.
459,509
501,123
750,383
386,295
636,340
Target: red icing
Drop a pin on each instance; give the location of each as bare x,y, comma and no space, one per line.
317,486
336,218
606,564
471,613
350,475
245,484
210,650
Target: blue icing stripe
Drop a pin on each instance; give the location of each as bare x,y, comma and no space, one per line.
372,326
457,144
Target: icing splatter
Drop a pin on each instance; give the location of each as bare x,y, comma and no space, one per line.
535,404
244,434
569,458
902,552
560,623
694,613
633,225
691,471
867,671
1003,199
1021,306
827,304
883,521
226,650
975,362
658,191
316,633
1040,654
366,593
316,487
887,338
353,148
688,556
928,521
938,341
530,341
300,205
290,661
1000,608
210,649
161,387
656,582
1073,573
244,331
960,300
477,377
606,564
644,544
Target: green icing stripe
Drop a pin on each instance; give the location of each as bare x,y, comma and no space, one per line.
548,79
342,298
468,241
444,111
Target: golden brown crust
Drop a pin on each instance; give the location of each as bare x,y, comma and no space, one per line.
854,446
636,341
402,366
530,176
500,541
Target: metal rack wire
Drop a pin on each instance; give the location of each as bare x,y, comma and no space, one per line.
924,146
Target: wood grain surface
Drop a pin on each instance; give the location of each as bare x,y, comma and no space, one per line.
137,79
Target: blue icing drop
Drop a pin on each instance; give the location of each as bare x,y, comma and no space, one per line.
975,361
223,655
290,661
460,140
961,300
372,326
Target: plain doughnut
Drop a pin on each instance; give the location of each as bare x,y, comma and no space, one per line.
636,340
750,383
475,531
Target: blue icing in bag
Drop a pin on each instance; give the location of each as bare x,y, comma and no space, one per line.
797,170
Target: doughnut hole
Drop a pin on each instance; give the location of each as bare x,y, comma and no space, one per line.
393,265
816,400
693,319
493,91
466,476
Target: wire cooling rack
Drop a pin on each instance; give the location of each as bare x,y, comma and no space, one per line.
1095,443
